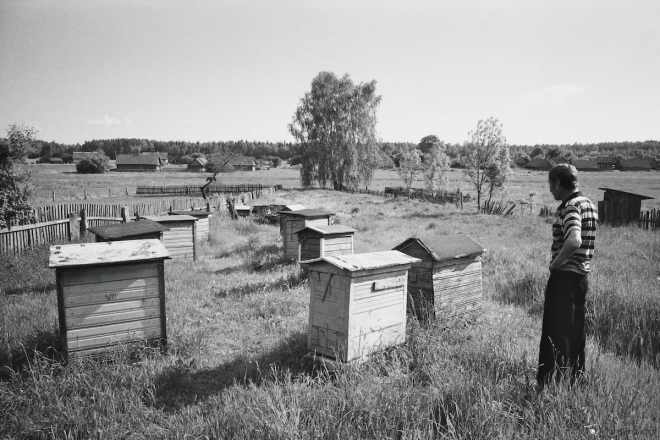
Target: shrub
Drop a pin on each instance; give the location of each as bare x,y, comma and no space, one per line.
97,164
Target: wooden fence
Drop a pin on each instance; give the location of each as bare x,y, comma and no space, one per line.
650,220
192,189
56,223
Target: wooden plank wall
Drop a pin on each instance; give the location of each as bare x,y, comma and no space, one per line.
457,288
179,240
337,246
328,314
203,230
377,313
109,304
420,290
310,248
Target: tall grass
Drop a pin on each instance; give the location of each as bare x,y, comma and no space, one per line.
237,323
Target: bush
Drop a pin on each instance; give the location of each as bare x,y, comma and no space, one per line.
98,164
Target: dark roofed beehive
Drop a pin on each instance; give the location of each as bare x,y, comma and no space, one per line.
316,241
293,221
142,230
620,207
357,303
181,237
448,278
109,293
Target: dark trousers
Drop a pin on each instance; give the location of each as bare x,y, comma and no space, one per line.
562,335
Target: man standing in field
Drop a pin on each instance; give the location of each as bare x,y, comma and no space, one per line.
573,236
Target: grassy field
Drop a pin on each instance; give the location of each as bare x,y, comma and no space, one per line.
67,183
237,323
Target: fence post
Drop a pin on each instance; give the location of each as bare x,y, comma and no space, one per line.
124,214
85,194
53,196
109,192
126,190
83,222
208,207
73,230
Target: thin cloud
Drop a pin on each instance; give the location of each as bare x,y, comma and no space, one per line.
129,122
553,96
107,120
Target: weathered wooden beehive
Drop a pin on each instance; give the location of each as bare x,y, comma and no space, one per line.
620,207
287,208
357,303
293,221
242,210
448,278
316,241
109,293
181,238
142,230
202,216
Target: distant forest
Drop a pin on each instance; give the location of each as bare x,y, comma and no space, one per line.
288,150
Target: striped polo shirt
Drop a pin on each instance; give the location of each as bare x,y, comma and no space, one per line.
578,212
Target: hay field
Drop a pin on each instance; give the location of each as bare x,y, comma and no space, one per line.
237,322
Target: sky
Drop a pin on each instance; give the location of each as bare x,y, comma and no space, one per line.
552,72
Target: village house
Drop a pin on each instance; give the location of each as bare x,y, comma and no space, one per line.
163,156
606,163
139,162
198,165
653,163
632,165
541,164
585,165
243,163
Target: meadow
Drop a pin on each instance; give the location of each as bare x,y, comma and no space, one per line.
66,182
237,323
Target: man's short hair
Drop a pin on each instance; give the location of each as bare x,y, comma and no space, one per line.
566,174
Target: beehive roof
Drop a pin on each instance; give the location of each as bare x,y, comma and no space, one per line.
130,229
627,193
307,213
445,247
297,207
371,260
169,218
328,229
108,252
194,213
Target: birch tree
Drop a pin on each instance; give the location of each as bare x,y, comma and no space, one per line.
335,129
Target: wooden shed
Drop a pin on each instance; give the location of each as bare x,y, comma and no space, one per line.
316,241
293,221
202,216
142,230
447,280
357,303
620,207
109,293
181,238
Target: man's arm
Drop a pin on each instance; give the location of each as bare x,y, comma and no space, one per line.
571,244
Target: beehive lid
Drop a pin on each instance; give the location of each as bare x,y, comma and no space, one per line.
126,230
195,213
327,229
445,247
108,252
370,260
297,207
307,213
242,207
169,218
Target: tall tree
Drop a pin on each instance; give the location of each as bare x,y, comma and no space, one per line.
427,143
410,166
14,188
482,154
335,126
436,165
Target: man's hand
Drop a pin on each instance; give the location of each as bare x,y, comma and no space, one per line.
571,244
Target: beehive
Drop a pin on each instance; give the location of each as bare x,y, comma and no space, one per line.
287,208
448,279
142,230
202,216
357,303
317,241
293,221
181,238
242,210
108,293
